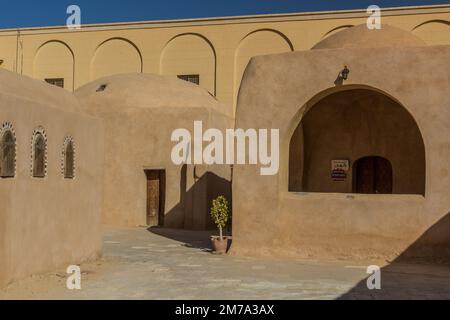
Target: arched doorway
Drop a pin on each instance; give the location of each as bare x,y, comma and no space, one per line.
372,175
366,133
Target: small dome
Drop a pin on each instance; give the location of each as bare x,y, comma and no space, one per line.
362,37
123,92
37,91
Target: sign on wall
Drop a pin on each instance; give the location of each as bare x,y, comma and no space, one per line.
339,169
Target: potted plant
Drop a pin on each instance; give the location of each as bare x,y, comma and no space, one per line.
220,213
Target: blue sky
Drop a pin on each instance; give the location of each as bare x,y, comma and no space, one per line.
28,13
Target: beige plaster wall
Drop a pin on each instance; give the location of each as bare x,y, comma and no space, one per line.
184,47
140,113
51,222
275,93
140,140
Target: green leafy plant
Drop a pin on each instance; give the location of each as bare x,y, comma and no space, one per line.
220,213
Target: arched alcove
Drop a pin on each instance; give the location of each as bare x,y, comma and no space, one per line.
116,56
336,30
55,63
259,42
435,32
190,55
346,126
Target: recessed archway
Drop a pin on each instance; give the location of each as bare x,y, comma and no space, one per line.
116,56
55,62
434,32
258,42
346,126
190,54
336,30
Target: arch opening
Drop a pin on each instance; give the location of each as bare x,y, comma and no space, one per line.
357,141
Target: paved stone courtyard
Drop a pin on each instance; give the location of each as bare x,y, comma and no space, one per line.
172,264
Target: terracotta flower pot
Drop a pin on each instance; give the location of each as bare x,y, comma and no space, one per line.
220,246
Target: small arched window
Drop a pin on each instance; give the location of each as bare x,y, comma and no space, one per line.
39,155
8,154
69,160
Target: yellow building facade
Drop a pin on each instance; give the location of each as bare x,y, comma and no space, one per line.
214,52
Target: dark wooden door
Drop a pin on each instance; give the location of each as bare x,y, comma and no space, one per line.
383,176
365,175
155,197
373,176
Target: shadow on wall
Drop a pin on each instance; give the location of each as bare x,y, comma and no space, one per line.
192,212
402,280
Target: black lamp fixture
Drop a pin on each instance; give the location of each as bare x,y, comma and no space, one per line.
344,73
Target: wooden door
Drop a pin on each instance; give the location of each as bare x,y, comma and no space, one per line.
373,176
155,197
383,176
365,175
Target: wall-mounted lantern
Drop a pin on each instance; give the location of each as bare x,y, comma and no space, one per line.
344,73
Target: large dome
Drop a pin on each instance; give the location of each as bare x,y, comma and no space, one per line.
125,92
361,37
37,91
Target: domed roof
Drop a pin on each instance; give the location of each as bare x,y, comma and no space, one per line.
362,37
37,91
123,92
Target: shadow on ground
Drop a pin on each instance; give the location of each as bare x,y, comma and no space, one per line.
403,277
192,239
